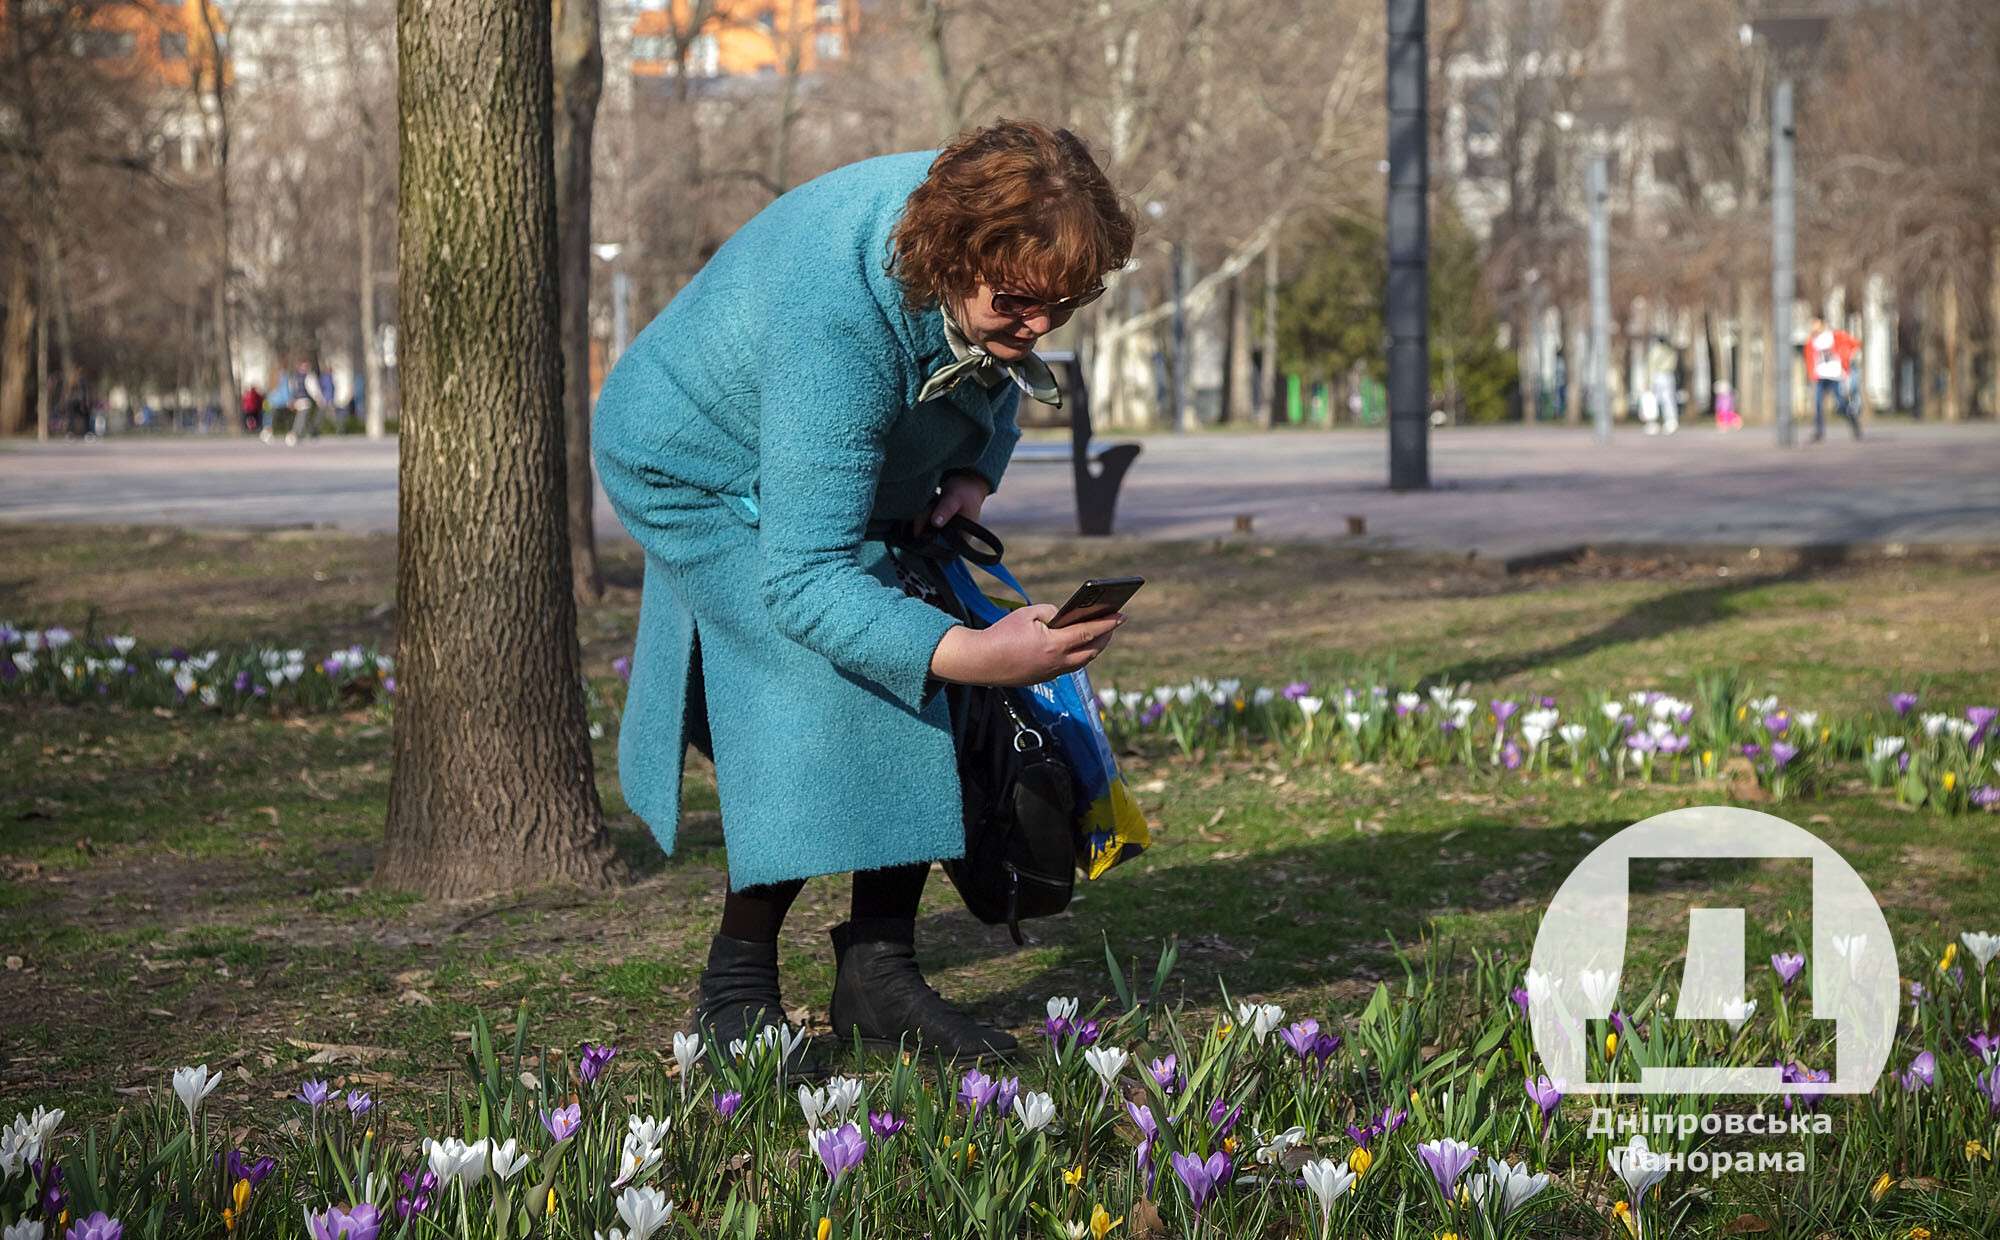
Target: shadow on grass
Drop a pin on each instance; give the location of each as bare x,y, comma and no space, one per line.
1675,612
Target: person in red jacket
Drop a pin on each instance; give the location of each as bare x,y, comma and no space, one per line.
1829,360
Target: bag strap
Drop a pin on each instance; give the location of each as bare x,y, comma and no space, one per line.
960,537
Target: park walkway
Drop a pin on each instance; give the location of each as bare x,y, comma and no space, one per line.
1500,491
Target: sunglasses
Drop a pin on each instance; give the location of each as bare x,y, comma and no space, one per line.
1023,306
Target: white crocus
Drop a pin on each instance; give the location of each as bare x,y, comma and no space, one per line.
453,1159
1035,1111
645,1211
1934,722
192,1085
1806,718
1107,697
1263,1018
1600,989
1884,748
1355,720
1130,701
843,1094
1107,1062
812,1104
1062,1009
1329,1181
1763,705
1272,1148
123,645
635,1160
1638,1166
1613,710
1310,706
1264,696
1408,702
1163,694
26,1229
28,1138
688,1050
1184,695
1737,1011
1572,733
1516,1186
1229,686
13,1152
1982,946
508,1160
646,1128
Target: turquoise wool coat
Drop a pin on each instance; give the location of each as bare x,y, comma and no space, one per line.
746,439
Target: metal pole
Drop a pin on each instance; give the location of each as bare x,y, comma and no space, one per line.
1180,342
1600,297
621,314
1784,240
1408,309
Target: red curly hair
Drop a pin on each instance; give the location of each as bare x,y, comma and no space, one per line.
1019,204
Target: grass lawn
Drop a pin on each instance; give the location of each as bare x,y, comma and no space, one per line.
191,888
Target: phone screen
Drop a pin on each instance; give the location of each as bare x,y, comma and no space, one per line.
1095,599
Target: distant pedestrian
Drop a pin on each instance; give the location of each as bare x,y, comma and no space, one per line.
253,408
1726,417
1829,359
306,403
1663,365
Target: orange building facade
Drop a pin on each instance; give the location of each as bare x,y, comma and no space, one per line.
165,42
744,38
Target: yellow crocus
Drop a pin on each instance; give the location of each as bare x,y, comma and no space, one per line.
1707,758
1623,1213
1360,1160
1883,1183
552,1202
1241,705
1101,1222
1920,1233
241,1195
1823,734
1950,956
1743,712
1950,780
1229,1144
1611,1044
971,1153
1074,1176
228,1219
1447,1235
1224,1029
825,1227
1977,1149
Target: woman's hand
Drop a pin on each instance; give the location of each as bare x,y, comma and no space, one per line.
962,493
1020,648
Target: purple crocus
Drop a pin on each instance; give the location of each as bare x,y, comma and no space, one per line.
1057,1028
362,1222
841,1150
1142,1115
1618,1020
728,1103
1788,965
1520,997
314,1094
1390,1120
50,1195
1544,1093
1985,1045
1921,1072
1324,1047
1151,715
1087,1034
236,1167
1985,796
359,1104
1510,756
1167,1074
1202,1177
977,1090
885,1124
99,1226
622,665
1981,718
595,1057
1222,1117
1903,702
417,1190
1798,1074
1003,1100
1777,723
1447,1160
1781,753
563,1122
243,682
1989,1084
1362,1136
1298,689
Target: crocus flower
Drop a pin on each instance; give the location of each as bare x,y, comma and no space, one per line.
416,1196
645,1211
1545,1094
193,1085
1447,1159
1009,1089
1520,997
52,1199
1087,1033
595,1057
1781,753
1036,1112
841,1150
1751,749
622,666
1202,1176
1788,965
885,1124
1985,1045
359,1104
1503,711
1107,1062
1798,1074
314,1094
1514,1184
1983,947
726,1104
1328,1181
1637,1165
1222,1117
1298,689
1299,1035
361,1222
688,1050
99,1226
1921,1072
563,1122
1324,1047
1510,756
236,1167
1271,1149
1167,1074
977,1090
1903,702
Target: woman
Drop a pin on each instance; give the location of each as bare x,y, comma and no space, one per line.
853,354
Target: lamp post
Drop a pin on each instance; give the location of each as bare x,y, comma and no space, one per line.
1597,189
621,298
1408,294
1791,41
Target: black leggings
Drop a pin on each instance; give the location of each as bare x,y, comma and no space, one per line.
757,913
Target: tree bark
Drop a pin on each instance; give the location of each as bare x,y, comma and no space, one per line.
579,81
1993,324
17,357
1236,398
493,785
225,362
1269,389
1951,328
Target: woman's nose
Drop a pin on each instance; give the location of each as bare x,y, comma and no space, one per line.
1040,324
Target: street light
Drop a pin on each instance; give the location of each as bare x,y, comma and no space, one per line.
1791,41
621,297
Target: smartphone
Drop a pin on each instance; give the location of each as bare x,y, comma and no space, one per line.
1097,598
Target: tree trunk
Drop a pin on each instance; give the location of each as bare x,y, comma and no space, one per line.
1951,326
1753,391
579,80
494,785
1273,384
17,350
377,424
1237,401
1993,324
225,363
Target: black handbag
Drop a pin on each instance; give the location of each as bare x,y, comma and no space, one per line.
1018,789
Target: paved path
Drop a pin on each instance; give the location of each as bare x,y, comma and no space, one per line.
1499,491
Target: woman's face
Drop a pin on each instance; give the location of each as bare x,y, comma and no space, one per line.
1005,336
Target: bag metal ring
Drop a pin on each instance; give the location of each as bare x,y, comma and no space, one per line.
1021,737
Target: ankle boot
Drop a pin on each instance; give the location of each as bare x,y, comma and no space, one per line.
739,991
879,992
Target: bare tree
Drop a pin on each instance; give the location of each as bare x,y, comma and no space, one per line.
579,81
